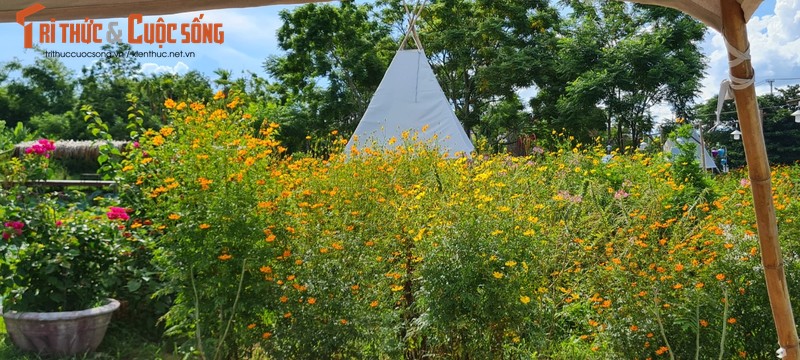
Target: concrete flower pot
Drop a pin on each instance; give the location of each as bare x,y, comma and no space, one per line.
60,333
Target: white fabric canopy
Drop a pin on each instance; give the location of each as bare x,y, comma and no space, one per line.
707,11
409,99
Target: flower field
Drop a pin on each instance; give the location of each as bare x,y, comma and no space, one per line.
402,253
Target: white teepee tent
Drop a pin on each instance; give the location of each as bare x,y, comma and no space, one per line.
410,99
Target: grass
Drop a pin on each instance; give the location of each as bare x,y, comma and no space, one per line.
119,344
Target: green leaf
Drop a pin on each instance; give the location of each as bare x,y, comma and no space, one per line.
134,285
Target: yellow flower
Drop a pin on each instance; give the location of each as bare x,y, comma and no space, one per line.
511,263
166,131
174,216
219,95
169,103
524,299
396,287
497,275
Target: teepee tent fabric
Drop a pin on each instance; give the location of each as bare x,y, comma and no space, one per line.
671,148
730,18
409,99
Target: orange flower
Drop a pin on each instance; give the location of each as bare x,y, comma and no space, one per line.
732,320
343,321
265,269
284,299
251,326
634,328
679,267
204,226
703,323
174,216
287,315
225,257
219,95
374,303
312,301
720,277
169,103
266,335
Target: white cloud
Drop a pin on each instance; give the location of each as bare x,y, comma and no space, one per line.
774,47
153,68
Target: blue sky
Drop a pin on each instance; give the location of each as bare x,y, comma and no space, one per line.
250,38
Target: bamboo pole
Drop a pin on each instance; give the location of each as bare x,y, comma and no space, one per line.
735,31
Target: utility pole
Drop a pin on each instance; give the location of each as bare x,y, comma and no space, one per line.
770,81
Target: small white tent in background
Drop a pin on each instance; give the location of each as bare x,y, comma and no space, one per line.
671,148
409,99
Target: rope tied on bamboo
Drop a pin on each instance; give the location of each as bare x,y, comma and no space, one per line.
781,353
735,83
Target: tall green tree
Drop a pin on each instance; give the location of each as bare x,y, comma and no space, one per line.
335,57
105,85
780,130
46,86
615,61
483,51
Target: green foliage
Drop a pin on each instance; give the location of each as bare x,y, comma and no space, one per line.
605,57
335,58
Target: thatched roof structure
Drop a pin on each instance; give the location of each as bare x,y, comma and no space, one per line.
71,149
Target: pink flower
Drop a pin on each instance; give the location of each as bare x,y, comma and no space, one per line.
42,147
58,223
117,213
17,226
620,194
135,144
744,182
6,236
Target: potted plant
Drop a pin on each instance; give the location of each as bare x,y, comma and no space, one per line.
60,262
